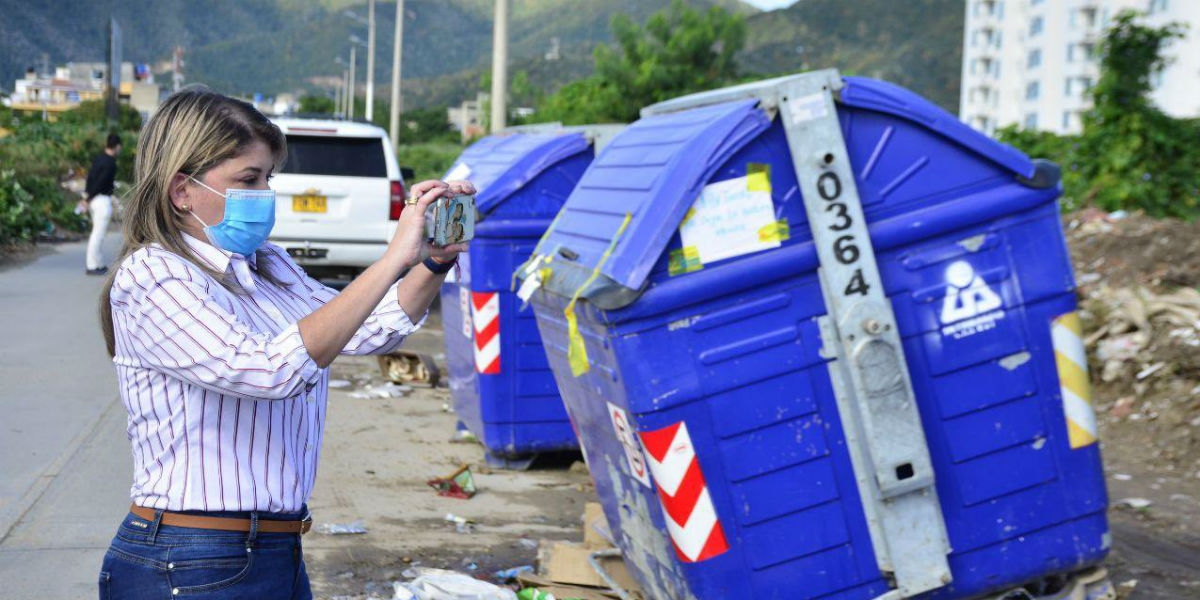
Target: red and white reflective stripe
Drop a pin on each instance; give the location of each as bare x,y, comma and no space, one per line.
486,317
691,517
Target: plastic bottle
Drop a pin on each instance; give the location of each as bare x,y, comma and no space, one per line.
534,594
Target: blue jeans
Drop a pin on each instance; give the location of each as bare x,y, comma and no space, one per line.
148,560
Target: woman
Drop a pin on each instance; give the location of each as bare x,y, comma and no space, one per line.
222,345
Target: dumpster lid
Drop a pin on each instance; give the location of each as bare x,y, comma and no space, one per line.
869,94
653,171
499,165
885,97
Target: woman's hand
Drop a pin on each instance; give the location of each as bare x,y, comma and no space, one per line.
409,244
450,253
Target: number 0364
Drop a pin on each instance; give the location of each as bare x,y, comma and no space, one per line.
845,248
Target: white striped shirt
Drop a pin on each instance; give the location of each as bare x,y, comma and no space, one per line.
226,407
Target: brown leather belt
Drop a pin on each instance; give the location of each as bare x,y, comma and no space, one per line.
223,523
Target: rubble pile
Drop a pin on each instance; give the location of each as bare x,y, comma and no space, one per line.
1141,313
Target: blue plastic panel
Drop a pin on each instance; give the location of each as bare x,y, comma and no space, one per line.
890,99
523,180
654,170
501,165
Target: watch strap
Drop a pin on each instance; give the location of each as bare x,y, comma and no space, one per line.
438,268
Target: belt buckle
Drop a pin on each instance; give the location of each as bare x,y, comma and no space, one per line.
306,523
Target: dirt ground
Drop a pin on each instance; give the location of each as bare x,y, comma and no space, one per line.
378,455
1147,404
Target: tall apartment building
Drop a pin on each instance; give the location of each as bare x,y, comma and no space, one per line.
1032,62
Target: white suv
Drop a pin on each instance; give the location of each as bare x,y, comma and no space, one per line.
338,196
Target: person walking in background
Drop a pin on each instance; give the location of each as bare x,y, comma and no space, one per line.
99,192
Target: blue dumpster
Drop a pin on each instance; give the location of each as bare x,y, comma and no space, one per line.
737,446
503,389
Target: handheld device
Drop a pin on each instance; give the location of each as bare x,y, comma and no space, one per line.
451,220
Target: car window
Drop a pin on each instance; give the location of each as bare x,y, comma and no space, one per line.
323,155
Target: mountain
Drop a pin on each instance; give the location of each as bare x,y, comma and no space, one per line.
913,43
273,46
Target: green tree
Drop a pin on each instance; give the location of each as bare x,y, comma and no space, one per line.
522,92
382,111
316,105
426,125
678,51
92,112
1138,156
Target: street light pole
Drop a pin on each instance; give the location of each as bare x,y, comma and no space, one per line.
337,99
499,65
345,92
350,88
371,60
397,46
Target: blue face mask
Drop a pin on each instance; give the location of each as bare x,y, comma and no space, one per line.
249,217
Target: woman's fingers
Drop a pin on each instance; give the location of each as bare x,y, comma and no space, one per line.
419,189
447,253
424,200
461,187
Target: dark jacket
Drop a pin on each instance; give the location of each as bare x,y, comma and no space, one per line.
100,177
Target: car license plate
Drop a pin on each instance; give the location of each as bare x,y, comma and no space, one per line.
309,203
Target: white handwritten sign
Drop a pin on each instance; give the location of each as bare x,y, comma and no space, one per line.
726,221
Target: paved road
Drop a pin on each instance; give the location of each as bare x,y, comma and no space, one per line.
64,457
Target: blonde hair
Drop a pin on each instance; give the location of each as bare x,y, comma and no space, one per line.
193,131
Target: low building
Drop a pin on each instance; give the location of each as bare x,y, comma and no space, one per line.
467,118
470,120
73,83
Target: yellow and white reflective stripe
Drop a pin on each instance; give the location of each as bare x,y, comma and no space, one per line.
1071,358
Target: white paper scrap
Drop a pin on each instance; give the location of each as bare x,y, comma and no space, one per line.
806,108
529,286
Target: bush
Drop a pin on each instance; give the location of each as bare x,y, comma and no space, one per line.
30,205
428,161
38,155
1139,156
91,112
19,218
426,125
316,105
1130,155
56,204
1062,150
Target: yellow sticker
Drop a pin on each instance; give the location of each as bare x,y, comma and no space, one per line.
684,260
758,177
536,255
690,213
576,349
775,232
530,266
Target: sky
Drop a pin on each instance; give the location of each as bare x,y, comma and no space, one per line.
770,4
